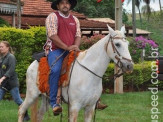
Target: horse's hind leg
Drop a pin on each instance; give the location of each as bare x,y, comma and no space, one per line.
32,90
44,107
29,100
88,114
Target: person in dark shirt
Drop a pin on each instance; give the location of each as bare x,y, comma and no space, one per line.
8,76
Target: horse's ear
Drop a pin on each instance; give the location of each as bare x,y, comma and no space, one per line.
111,31
123,30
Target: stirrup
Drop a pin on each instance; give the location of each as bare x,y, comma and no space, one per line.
58,99
57,110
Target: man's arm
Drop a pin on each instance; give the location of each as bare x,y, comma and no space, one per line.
77,41
78,32
57,41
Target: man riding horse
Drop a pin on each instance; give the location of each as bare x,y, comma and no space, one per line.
63,36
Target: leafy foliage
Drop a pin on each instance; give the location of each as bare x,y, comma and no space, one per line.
87,42
93,9
138,44
124,17
139,79
24,44
3,23
155,27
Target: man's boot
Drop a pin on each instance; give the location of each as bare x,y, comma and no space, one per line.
57,109
100,106
26,116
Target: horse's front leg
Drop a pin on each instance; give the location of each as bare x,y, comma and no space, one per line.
44,107
73,113
89,110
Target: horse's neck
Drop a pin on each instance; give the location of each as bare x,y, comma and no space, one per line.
96,58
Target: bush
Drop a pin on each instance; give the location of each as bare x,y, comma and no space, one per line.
87,42
140,79
3,23
24,44
137,45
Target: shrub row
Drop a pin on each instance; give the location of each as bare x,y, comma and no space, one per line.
139,79
24,44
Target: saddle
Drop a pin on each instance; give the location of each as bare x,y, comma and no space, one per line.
44,71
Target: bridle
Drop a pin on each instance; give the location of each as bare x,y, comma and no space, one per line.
116,52
117,56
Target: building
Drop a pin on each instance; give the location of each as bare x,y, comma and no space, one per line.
34,13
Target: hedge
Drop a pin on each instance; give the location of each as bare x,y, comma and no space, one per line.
24,44
139,79
27,42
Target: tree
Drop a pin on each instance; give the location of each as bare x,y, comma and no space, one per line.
3,23
106,8
146,9
137,3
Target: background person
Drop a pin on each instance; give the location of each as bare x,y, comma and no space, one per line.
8,76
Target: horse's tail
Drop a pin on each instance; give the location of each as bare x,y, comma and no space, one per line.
34,111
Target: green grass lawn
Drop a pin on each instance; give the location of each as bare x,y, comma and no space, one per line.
127,107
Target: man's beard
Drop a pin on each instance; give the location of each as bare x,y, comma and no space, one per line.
65,11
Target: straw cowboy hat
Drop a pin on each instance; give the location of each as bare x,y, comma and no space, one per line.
56,2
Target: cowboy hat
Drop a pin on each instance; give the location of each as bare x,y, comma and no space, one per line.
56,2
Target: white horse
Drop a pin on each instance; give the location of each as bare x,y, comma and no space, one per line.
85,86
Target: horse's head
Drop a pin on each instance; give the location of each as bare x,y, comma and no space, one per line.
117,49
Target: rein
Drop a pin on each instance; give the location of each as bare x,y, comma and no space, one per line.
69,85
88,69
54,63
118,57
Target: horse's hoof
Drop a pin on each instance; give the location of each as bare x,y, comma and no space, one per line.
26,117
101,106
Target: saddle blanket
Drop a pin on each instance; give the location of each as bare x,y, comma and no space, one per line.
44,70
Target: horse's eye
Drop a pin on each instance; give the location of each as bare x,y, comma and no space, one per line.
117,45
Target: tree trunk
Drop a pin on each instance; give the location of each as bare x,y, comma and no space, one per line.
118,83
160,7
148,14
18,14
133,19
140,17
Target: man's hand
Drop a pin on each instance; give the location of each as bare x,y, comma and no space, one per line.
1,80
73,48
47,47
